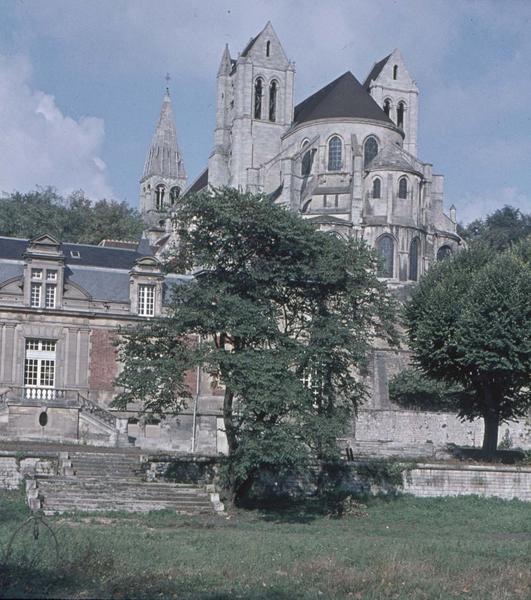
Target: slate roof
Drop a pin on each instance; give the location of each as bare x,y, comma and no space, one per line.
101,271
200,183
375,71
94,256
328,219
343,97
394,157
250,44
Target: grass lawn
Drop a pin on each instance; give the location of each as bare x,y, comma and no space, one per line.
403,548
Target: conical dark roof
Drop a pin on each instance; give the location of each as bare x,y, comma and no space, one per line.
344,97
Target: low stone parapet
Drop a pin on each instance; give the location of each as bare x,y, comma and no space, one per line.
429,480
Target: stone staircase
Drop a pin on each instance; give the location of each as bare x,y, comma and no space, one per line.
112,481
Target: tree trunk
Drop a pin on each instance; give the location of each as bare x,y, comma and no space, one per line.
232,442
490,437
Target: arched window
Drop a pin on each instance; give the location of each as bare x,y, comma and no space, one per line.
160,190
400,114
335,154
273,101
377,188
175,192
258,91
395,71
307,161
387,107
268,47
370,150
385,248
443,253
414,259
402,188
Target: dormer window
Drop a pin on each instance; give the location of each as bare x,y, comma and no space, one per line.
146,287
75,254
44,273
35,295
146,300
50,288
50,297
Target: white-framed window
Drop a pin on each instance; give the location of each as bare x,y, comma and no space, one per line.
39,368
36,274
146,300
51,295
51,275
35,295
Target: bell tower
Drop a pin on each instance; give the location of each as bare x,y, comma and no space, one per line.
393,88
164,177
254,110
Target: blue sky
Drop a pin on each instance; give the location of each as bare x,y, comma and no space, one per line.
81,84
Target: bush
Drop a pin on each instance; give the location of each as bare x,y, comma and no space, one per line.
414,390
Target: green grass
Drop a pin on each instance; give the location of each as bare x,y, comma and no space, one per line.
403,549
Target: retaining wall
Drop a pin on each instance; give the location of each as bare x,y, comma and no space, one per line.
429,480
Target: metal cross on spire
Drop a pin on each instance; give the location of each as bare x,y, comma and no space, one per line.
167,78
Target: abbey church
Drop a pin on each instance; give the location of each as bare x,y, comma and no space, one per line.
345,158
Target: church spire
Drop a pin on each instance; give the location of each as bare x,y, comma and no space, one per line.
225,64
164,157
164,177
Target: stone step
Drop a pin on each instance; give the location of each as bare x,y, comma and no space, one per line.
105,481
82,493
137,506
82,499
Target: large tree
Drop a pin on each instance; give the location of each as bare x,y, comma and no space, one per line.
469,324
285,316
71,219
500,230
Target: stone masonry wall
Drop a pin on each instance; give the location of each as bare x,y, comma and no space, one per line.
409,427
428,480
13,470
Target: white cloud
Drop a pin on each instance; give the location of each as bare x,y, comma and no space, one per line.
474,206
39,145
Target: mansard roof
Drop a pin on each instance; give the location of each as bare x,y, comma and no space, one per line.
344,97
164,157
78,254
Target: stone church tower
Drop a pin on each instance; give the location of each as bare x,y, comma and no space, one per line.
393,88
254,108
164,177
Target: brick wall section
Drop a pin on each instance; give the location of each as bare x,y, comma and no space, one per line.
103,360
429,480
190,379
